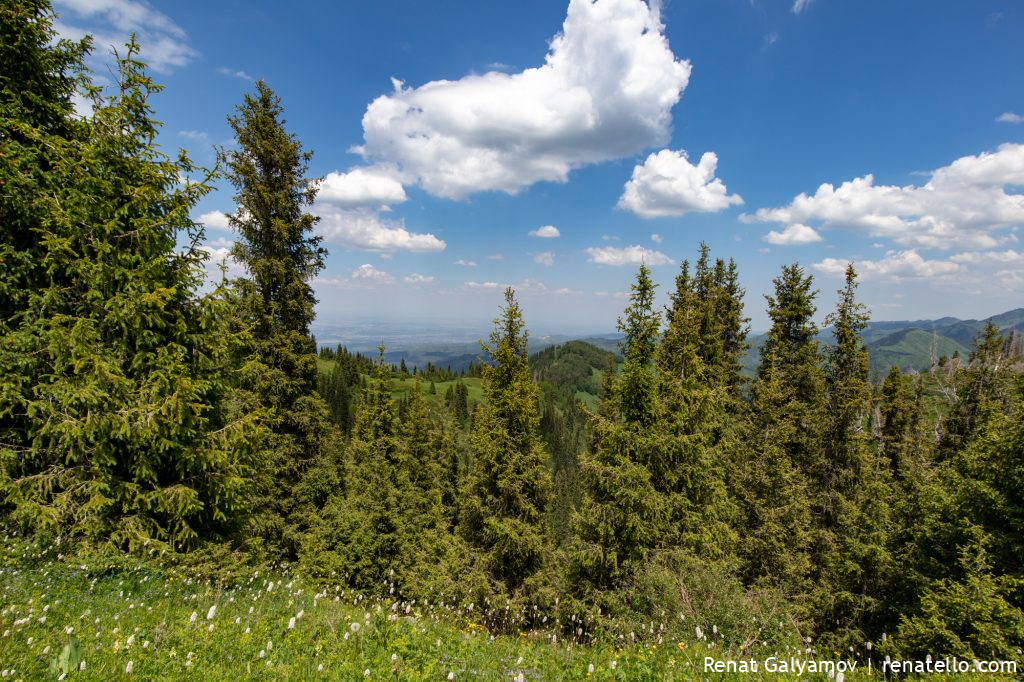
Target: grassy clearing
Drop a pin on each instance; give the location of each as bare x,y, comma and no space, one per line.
119,619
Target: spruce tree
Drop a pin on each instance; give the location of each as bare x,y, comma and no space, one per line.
37,127
623,517
115,373
509,483
852,492
784,450
275,302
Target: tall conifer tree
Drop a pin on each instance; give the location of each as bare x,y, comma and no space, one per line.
114,371
509,481
281,256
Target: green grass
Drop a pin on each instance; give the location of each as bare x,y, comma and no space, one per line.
161,621
402,385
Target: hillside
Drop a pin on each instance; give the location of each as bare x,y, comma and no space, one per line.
911,349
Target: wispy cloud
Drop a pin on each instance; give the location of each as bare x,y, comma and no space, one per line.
1010,117
800,5
110,22
225,71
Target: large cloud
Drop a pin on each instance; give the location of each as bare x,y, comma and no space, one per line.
963,205
895,267
359,229
667,184
792,235
605,91
629,255
362,188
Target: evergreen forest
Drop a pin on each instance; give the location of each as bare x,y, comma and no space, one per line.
660,497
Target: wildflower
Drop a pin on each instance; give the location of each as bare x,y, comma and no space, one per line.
366,673
682,645
81,666
700,633
210,629
320,668
590,669
291,623
615,664
354,627
270,645
212,612
192,618
451,676
128,668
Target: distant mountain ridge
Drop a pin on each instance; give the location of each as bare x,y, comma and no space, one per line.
904,343
908,343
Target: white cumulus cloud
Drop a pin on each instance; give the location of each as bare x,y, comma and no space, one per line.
371,274
896,266
546,232
628,255
362,188
667,184
546,258
796,233
360,229
963,205
605,91
1010,117
998,258
217,220
416,278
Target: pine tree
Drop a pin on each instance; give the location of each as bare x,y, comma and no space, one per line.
115,373
509,482
268,170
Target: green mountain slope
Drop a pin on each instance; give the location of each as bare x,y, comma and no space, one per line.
911,349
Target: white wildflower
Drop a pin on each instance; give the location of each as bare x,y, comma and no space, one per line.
291,623
212,612
192,618
128,668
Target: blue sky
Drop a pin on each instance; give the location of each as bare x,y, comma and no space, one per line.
551,146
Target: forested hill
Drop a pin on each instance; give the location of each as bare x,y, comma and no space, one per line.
912,344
